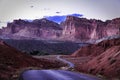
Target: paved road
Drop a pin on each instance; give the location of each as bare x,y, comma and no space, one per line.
71,65
54,75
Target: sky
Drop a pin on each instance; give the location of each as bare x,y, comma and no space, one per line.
35,9
59,18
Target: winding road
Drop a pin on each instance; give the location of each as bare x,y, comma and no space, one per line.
56,74
71,65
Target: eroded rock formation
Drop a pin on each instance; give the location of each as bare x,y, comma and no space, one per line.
21,29
83,29
72,29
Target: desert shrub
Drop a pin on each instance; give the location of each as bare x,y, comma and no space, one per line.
39,53
34,52
91,70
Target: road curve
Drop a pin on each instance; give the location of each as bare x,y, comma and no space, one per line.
71,65
54,75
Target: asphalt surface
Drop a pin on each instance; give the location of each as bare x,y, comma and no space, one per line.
55,75
71,65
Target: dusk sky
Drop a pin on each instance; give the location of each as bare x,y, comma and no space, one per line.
35,9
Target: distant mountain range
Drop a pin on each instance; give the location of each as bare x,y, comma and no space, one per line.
72,29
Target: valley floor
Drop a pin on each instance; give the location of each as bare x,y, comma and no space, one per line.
75,60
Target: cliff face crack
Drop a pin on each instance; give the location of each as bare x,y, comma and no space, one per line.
94,33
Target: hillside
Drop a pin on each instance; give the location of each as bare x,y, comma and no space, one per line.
12,60
105,59
96,49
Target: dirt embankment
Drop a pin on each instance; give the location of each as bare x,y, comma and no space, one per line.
105,59
12,60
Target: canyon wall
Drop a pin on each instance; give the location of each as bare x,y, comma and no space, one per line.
82,29
72,29
37,29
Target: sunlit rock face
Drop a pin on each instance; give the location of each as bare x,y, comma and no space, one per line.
75,28
42,28
113,27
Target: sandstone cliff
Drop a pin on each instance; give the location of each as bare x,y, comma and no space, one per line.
21,29
83,29
72,29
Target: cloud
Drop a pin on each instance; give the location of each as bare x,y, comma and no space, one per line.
57,12
46,9
31,6
60,18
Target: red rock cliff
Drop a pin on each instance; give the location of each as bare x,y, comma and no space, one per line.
20,29
83,29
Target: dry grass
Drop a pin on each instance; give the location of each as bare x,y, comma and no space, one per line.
49,57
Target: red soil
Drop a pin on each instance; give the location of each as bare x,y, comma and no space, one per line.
12,60
96,49
106,59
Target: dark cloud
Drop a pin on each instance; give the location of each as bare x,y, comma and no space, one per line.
31,6
58,12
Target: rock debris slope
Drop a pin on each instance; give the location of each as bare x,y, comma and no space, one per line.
105,58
